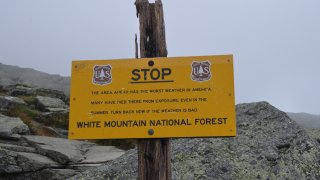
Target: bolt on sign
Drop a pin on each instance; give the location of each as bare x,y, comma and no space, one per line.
152,98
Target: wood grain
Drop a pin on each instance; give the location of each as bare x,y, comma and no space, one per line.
154,157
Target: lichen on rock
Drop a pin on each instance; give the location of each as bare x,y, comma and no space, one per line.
268,145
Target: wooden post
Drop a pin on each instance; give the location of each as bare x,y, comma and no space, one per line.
153,154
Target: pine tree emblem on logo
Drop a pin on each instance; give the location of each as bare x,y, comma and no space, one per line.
102,74
200,71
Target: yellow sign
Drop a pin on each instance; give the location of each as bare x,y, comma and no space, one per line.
152,98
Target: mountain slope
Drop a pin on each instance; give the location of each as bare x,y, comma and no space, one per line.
306,120
269,145
11,75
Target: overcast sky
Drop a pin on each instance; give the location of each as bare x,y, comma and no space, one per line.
276,44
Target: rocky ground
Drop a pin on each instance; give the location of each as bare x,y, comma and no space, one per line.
33,131
269,145
33,145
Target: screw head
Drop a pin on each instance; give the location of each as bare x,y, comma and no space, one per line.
150,131
151,63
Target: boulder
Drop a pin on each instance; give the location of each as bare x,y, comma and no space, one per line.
37,157
17,162
51,104
21,90
11,127
61,150
268,145
8,101
101,154
73,152
52,93
17,148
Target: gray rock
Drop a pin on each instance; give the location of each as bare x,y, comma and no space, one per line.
19,90
10,126
9,101
269,145
73,152
314,133
57,174
51,104
47,174
14,137
62,133
52,93
61,150
57,132
51,158
17,148
101,154
64,110
17,162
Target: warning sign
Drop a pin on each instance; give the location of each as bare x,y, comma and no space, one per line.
152,98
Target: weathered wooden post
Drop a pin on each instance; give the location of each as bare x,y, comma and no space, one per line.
153,154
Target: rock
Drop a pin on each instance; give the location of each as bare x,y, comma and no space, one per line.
62,133
57,109
8,101
57,174
101,154
73,152
11,99
21,90
314,133
52,93
55,132
269,145
47,174
10,127
54,119
61,150
37,157
2,89
17,148
53,174
17,162
83,167
37,128
51,104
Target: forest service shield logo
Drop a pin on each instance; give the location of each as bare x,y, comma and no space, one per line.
102,74
200,71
